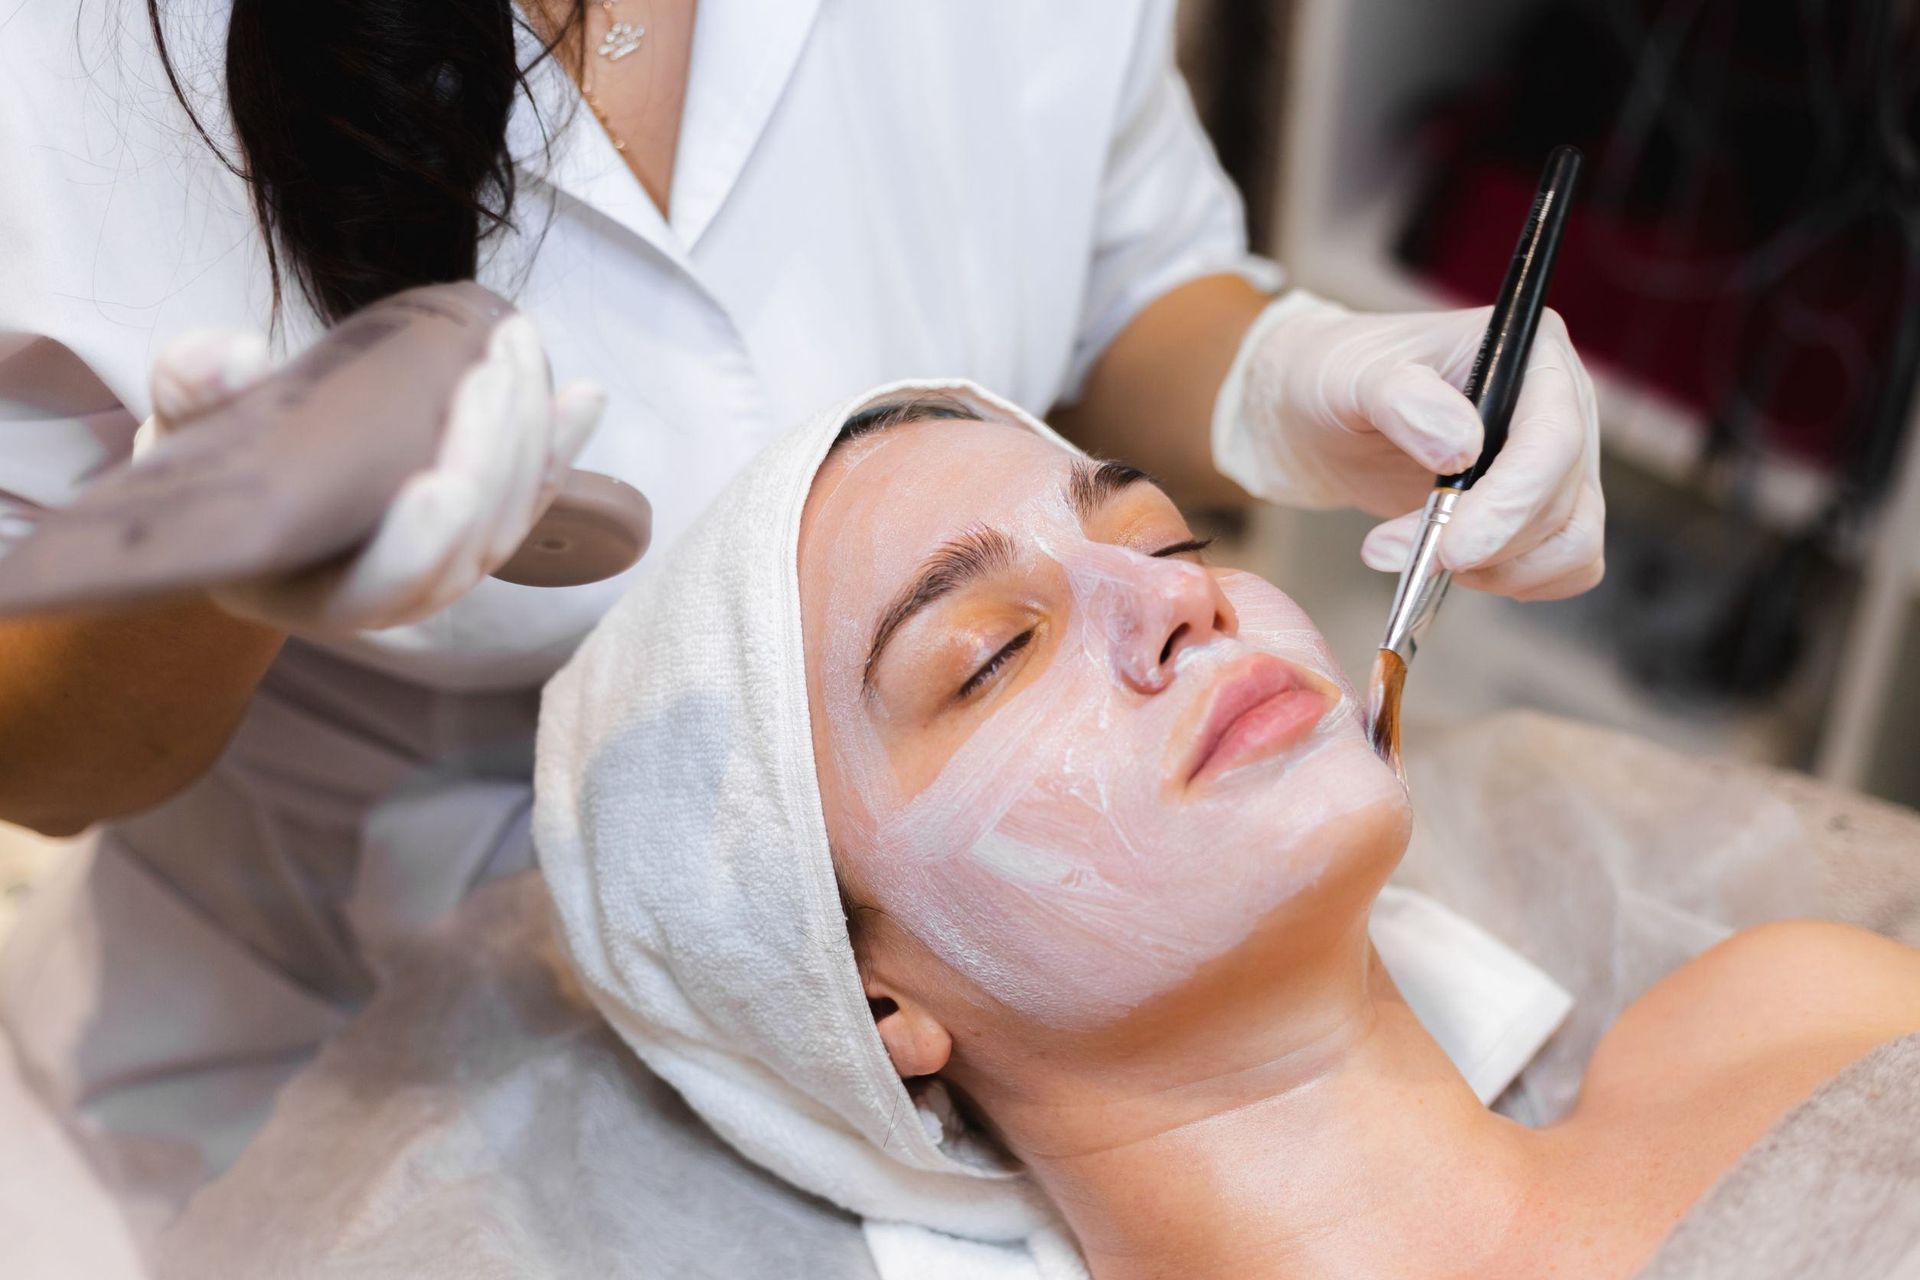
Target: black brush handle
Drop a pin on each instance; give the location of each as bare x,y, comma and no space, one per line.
1494,384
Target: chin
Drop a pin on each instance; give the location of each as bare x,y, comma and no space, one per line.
1363,822
1333,871
1376,835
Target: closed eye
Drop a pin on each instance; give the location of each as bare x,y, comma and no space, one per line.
1194,545
991,667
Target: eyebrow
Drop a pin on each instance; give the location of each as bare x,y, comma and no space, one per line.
971,555
1092,483
977,552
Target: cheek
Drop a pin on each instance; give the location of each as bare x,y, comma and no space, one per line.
1265,611
1269,620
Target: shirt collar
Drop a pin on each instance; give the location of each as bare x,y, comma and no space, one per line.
743,56
554,139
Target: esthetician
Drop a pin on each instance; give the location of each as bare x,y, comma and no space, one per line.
716,220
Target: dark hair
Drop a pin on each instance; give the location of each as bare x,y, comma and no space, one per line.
894,411
373,136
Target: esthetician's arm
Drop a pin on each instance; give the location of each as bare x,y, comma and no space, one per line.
1149,399
103,715
109,712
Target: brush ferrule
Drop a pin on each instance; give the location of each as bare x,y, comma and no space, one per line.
1423,583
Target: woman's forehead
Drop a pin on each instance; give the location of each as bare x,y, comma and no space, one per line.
885,504
923,479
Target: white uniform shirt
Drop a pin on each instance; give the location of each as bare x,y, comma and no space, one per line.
864,190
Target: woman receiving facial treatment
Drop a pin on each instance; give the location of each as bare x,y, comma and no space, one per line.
971,853
711,218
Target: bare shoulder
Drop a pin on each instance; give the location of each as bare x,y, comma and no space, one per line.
1782,1005
1707,1061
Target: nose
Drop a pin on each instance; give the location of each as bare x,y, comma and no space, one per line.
1171,606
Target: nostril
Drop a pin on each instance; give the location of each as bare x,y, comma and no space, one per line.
1173,642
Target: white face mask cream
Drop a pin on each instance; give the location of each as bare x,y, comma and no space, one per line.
1153,766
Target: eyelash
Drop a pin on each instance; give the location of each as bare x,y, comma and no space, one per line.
1182,548
991,666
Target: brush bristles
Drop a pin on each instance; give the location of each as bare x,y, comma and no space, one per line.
1383,705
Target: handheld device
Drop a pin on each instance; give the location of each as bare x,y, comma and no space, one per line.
298,470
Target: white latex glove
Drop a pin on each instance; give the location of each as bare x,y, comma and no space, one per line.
508,444
1327,407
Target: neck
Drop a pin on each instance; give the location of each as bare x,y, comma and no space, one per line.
1335,1139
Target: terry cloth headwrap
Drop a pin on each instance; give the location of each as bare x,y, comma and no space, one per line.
678,821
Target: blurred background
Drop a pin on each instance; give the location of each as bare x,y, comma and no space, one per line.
1743,276
1741,273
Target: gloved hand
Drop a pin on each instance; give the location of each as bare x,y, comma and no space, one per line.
1328,407
508,444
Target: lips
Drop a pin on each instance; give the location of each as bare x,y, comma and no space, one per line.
1260,710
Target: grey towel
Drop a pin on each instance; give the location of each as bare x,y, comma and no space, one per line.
480,1121
1831,1193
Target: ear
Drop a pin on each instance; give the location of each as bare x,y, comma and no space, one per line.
917,1042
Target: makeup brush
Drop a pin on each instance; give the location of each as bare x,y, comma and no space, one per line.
1494,388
